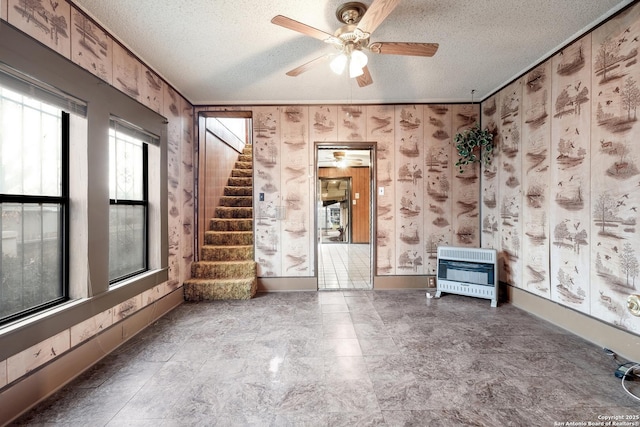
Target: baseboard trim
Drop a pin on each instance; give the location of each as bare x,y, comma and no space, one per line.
400,282
27,392
625,344
287,284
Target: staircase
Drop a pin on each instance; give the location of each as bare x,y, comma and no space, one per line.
226,270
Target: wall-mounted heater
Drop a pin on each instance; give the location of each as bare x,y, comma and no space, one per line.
468,271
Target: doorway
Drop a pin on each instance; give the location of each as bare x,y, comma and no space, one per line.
344,220
335,214
222,136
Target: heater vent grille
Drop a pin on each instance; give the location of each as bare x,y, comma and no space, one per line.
467,254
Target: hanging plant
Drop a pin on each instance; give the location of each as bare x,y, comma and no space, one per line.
474,146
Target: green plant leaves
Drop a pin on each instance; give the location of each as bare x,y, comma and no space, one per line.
474,146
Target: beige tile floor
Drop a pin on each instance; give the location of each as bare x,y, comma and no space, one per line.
344,266
345,358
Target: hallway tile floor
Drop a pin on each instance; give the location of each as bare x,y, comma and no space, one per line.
344,266
345,358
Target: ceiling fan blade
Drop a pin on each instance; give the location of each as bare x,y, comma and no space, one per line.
307,66
375,14
401,48
305,29
365,79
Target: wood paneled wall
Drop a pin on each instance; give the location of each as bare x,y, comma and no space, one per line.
421,202
560,203
219,160
360,212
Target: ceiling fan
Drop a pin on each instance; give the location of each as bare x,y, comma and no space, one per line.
343,159
353,37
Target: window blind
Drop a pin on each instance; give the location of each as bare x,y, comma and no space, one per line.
133,131
26,85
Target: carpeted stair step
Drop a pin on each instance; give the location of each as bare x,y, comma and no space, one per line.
241,181
241,173
238,212
238,191
236,201
231,224
245,157
226,253
229,238
243,165
223,269
220,289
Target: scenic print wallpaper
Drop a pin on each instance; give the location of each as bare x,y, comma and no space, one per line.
425,201
560,202
66,30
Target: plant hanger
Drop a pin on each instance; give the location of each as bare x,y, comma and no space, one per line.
474,145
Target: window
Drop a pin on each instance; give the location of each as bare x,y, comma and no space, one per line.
128,193
33,199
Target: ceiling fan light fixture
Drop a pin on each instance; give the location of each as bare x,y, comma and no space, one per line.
339,63
354,71
359,58
357,62
340,163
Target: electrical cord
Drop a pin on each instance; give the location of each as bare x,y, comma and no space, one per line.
630,369
628,372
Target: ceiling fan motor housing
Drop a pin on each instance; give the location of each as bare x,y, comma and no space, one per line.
352,38
351,12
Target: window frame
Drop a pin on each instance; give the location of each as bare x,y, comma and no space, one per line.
63,201
90,292
145,139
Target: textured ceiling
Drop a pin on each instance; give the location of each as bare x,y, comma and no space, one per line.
228,52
